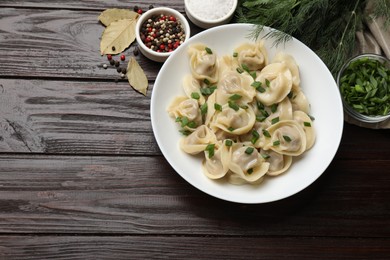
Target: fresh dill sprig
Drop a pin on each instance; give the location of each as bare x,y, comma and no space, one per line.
327,26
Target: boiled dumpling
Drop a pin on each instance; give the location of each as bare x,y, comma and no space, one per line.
191,85
232,83
203,64
232,121
287,137
246,163
216,166
253,55
276,80
186,107
198,140
291,64
307,125
278,163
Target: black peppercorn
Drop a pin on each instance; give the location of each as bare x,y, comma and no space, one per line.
124,70
135,51
151,7
136,8
118,69
112,62
113,48
117,63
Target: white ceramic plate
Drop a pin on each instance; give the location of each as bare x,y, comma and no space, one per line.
316,82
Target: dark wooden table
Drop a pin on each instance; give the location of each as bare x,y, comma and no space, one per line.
81,175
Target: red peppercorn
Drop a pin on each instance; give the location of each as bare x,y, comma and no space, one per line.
172,18
123,57
139,11
162,47
109,57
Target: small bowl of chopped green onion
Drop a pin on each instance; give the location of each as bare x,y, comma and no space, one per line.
364,84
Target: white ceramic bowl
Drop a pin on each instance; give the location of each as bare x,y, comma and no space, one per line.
149,53
206,23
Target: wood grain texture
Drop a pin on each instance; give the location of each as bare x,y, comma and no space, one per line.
143,195
152,247
92,5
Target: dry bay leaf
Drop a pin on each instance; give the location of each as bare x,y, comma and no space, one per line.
117,36
136,76
114,14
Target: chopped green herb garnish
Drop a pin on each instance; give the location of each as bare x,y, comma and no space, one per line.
231,129
203,109
210,149
185,132
260,118
287,138
233,105
208,90
365,86
253,74
274,107
266,133
195,95
239,70
235,54
228,142
245,67
265,156
255,136
208,50
235,97
276,143
267,83
308,124
250,171
256,84
207,82
217,107
249,150
275,120
184,121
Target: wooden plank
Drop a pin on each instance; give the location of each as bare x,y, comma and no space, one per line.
152,247
91,5
143,195
74,117
58,43
71,117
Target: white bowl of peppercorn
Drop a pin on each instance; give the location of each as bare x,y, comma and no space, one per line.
160,31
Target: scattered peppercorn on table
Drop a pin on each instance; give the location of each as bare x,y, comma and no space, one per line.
81,175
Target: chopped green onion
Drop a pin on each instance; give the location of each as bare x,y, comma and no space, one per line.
308,124
185,132
256,84
233,105
239,70
235,54
231,129
267,83
195,95
265,156
203,109
255,136
235,97
260,118
208,50
275,120
276,143
266,133
287,138
217,107
208,90
249,150
245,67
250,171
184,121
210,149
274,107
206,81
228,142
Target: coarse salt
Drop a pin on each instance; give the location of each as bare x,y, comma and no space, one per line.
210,9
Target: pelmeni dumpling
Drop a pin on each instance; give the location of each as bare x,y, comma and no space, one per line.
198,140
216,166
231,121
246,163
291,64
253,55
306,123
300,102
192,85
287,137
203,64
230,83
276,79
186,107
278,163
283,111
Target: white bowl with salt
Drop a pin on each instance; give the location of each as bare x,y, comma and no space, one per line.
210,13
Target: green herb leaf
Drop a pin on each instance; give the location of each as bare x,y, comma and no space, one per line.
210,149
249,150
195,95
208,50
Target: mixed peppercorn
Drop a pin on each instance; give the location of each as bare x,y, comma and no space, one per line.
162,33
